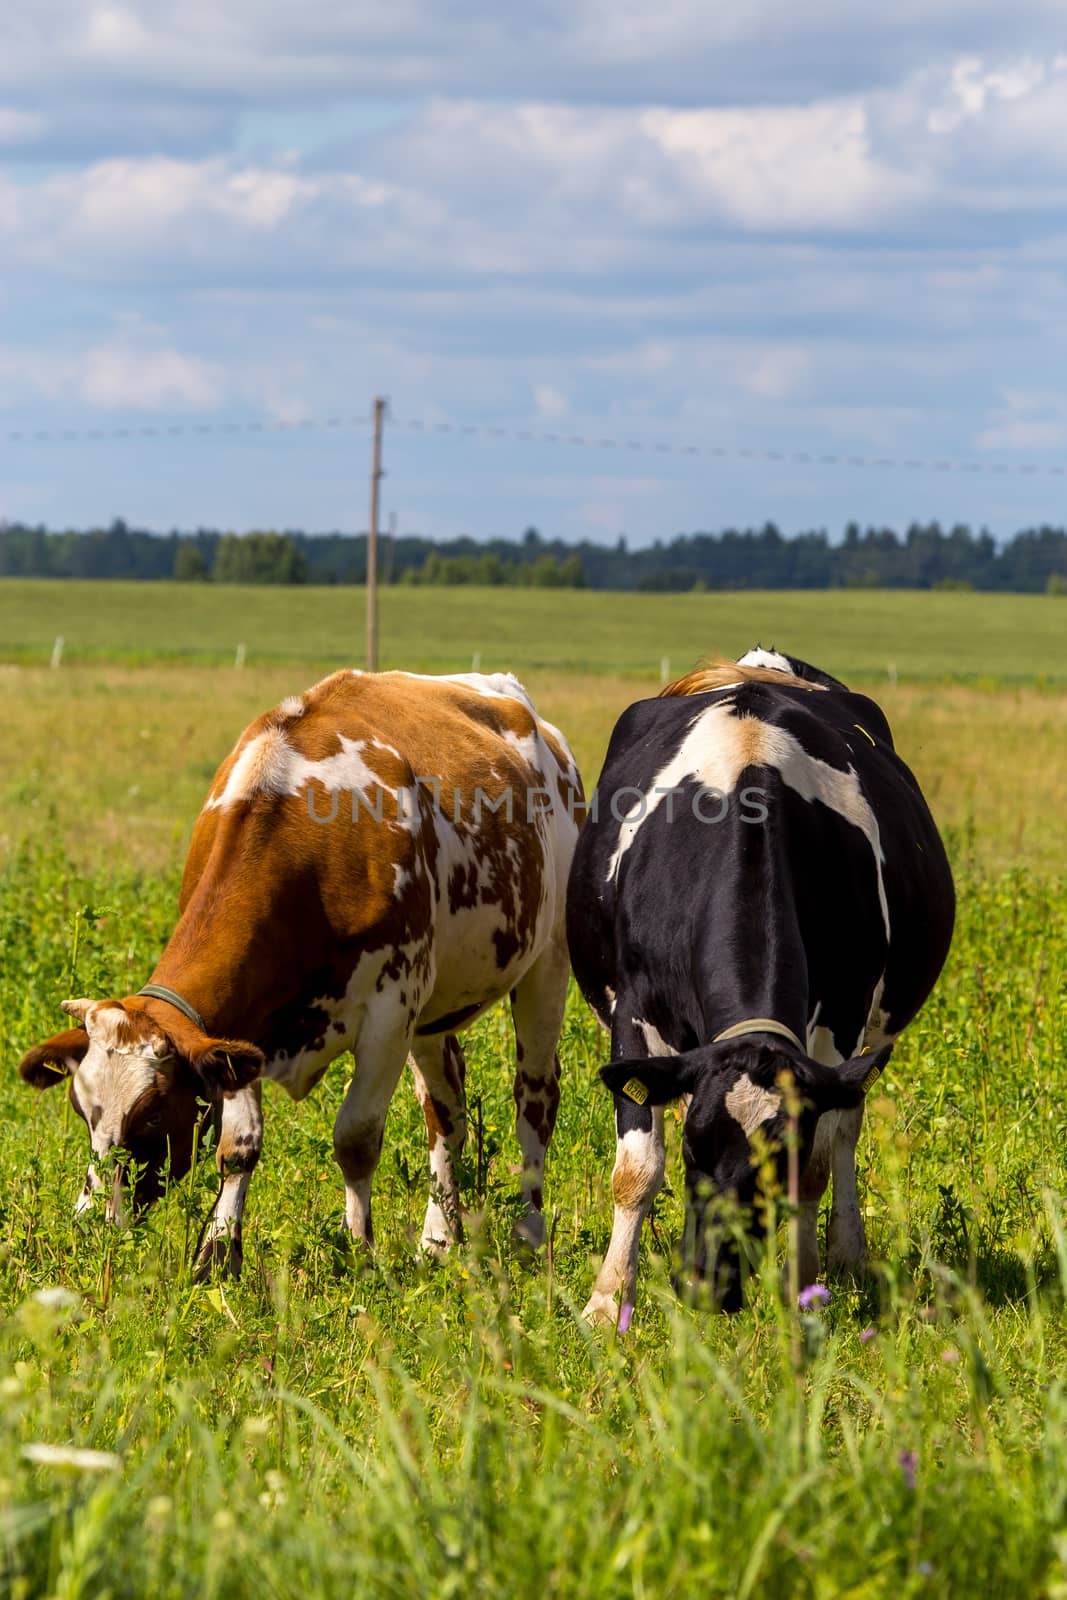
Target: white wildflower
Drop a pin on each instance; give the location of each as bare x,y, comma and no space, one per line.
57,1298
69,1458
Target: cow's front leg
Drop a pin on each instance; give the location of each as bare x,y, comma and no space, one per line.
357,1133
93,1182
635,1182
813,1181
240,1143
537,1004
115,1210
439,1070
846,1237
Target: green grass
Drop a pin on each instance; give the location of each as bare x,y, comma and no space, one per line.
865,634
328,1428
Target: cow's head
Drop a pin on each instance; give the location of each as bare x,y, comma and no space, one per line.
737,1089
139,1087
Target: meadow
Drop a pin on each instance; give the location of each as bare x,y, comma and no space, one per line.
869,634
407,1428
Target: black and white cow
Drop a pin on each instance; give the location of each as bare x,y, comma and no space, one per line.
759,887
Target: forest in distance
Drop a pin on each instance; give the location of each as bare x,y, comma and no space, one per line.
923,556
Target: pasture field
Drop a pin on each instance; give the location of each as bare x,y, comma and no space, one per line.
115,760
328,1426
868,634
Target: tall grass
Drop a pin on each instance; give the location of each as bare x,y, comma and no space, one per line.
329,1427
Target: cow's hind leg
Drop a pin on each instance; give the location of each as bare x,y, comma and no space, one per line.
438,1068
240,1143
380,1052
537,1003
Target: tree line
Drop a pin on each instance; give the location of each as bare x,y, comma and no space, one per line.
924,556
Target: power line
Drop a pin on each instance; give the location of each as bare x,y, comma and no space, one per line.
495,432
174,430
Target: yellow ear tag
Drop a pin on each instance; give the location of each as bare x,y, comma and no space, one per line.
875,1072
635,1090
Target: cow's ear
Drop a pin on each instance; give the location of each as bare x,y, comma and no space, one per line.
227,1064
55,1059
651,1080
839,1088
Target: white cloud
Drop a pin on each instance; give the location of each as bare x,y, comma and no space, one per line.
124,214
26,374
971,89
114,33
780,169
137,380
116,377
929,153
756,224
550,401
777,372
141,198
1027,422
19,127
766,168
676,52
973,123
649,358
478,190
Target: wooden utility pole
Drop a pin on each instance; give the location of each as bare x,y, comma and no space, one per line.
372,539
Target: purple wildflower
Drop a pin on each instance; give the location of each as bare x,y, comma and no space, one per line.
626,1311
908,1462
867,1335
815,1295
925,1569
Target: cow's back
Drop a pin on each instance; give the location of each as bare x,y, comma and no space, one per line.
821,826
387,818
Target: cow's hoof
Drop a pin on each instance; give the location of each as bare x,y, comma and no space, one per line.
218,1258
529,1232
434,1248
350,1253
846,1245
843,1260
341,1248
440,1235
602,1310
846,1267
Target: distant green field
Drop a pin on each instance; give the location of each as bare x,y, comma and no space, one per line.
857,634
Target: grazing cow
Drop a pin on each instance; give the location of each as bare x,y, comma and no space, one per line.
378,861
759,889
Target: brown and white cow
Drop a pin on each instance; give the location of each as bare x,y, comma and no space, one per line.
378,861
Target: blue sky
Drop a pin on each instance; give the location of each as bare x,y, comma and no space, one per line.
757,226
